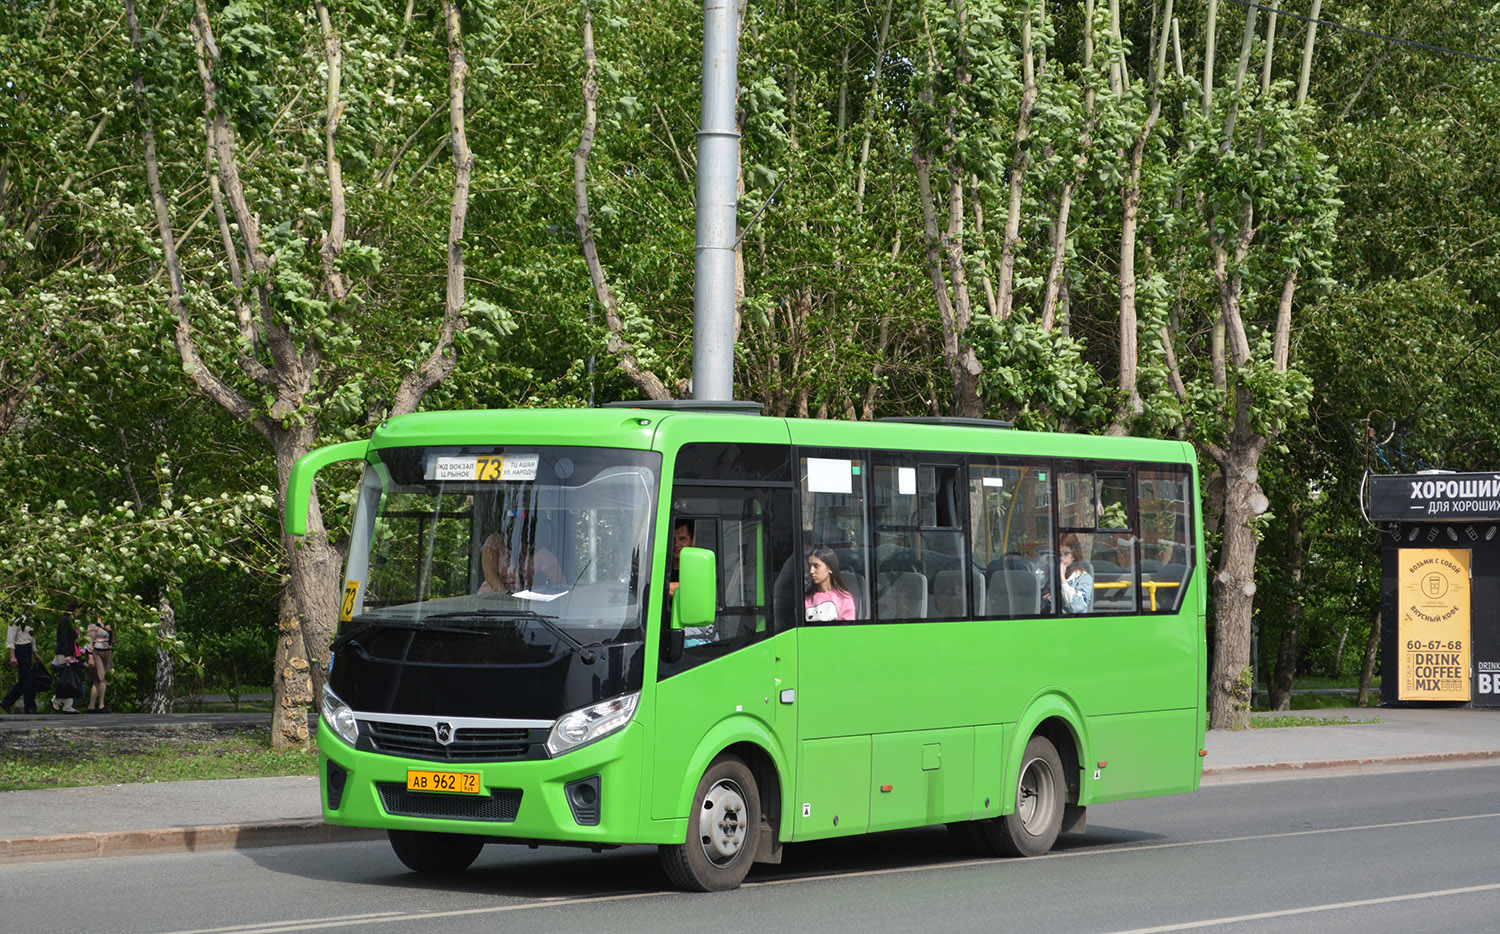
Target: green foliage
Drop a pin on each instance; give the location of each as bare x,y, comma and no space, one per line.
120,484
1038,377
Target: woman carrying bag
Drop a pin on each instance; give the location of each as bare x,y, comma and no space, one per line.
68,680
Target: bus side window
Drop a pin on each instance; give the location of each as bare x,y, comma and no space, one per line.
737,500
833,518
922,565
1096,518
1166,530
1010,510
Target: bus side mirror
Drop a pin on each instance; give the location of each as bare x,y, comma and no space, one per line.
300,483
696,600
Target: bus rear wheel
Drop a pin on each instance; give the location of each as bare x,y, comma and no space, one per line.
1034,825
722,830
436,853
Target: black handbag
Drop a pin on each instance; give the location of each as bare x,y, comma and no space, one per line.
41,678
69,682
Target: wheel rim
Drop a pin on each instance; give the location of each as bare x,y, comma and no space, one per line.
721,822
1036,798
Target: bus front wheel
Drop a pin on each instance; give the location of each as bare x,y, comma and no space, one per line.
437,853
722,830
1040,788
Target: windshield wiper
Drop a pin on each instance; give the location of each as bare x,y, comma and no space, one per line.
584,652
420,624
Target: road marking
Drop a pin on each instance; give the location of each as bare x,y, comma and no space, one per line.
1125,847
1311,909
283,925
387,917
1117,848
311,924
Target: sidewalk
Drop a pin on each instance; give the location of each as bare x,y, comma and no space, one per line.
121,820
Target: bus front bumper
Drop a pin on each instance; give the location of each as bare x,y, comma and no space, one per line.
589,796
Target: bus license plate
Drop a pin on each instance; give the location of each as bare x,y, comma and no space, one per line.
466,783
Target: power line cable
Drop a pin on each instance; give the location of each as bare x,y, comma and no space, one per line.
1395,40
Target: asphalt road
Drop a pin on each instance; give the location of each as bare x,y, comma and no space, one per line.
1399,852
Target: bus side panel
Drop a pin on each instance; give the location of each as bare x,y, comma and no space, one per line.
990,743
1122,664
833,788
1147,754
690,704
921,778
871,678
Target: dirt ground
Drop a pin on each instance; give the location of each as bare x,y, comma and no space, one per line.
76,745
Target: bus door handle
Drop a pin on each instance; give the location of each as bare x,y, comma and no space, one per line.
789,696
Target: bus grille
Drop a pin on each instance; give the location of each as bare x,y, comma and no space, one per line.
501,804
470,744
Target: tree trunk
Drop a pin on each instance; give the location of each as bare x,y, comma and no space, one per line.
1367,673
1020,159
1234,591
946,260
1130,394
291,684
166,630
644,379
1056,281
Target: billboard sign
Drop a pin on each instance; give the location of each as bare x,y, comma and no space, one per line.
1433,623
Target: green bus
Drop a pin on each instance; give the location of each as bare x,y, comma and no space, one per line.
696,626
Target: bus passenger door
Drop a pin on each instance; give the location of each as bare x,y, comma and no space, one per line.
737,678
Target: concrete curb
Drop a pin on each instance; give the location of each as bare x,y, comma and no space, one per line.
101,844
1270,769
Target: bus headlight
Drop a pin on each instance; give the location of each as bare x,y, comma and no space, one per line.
587,724
339,717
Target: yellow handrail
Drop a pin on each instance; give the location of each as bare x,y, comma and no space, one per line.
1152,585
1149,585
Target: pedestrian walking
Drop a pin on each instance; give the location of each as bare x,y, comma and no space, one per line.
20,643
67,681
100,661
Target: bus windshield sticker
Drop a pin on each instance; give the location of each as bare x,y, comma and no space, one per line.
455,468
906,481
994,481
535,596
519,467
829,475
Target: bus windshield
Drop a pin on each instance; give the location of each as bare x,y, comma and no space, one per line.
482,537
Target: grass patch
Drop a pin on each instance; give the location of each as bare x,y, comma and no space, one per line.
1314,683
70,758
1280,720
1317,701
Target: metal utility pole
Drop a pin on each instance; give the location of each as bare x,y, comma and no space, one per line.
718,168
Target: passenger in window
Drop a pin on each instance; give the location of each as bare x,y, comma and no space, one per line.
682,537
828,597
503,573
1077,583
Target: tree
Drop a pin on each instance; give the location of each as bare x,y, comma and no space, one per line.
284,272
1268,208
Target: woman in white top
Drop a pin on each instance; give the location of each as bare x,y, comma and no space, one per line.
20,642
